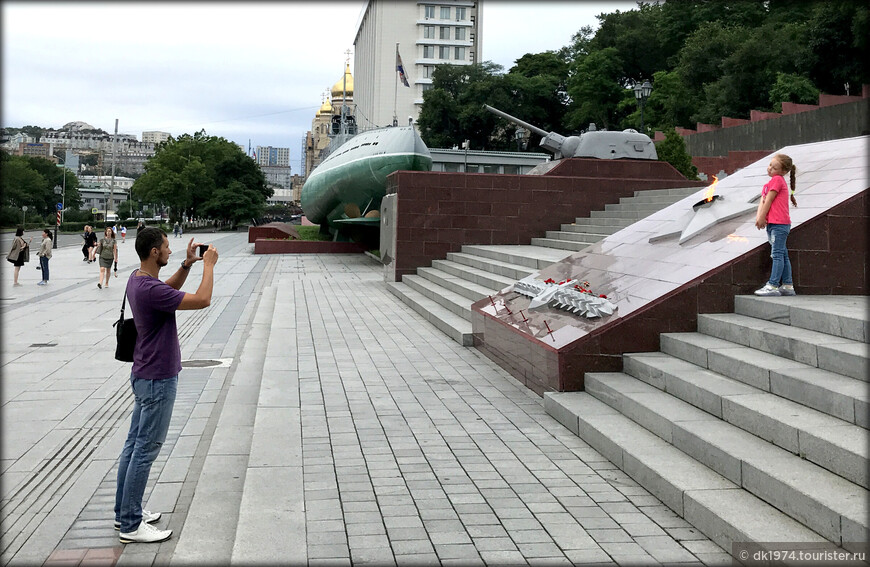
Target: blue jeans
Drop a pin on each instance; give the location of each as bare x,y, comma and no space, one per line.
777,234
152,411
43,264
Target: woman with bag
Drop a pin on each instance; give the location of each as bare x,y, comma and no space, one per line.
107,250
20,253
44,255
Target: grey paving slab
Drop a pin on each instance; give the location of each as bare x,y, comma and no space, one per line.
387,441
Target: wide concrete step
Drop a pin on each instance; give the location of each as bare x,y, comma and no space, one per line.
451,324
455,284
641,207
834,394
846,316
661,200
606,214
535,257
719,508
681,191
597,229
828,352
828,504
569,245
489,280
604,221
581,237
832,443
452,301
497,267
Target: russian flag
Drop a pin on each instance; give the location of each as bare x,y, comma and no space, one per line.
401,68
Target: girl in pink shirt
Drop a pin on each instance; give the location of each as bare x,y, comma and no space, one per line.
773,215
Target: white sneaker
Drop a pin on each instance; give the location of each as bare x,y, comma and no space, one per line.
768,290
145,533
787,289
147,517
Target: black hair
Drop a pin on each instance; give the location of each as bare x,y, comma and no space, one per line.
148,238
48,232
19,231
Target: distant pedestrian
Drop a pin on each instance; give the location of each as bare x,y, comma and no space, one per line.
175,229
90,244
19,254
773,215
154,377
108,252
44,254
123,234
85,243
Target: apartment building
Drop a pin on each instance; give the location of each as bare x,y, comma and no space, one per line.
269,156
428,34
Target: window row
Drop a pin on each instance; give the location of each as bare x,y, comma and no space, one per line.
444,32
443,52
444,13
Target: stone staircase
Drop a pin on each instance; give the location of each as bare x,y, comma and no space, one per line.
753,429
444,292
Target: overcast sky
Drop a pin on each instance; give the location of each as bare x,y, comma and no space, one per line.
243,71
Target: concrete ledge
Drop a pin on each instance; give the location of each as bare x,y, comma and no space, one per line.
264,246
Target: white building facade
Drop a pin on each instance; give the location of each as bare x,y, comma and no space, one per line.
428,34
270,156
155,137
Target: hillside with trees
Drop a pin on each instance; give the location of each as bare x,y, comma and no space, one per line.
706,59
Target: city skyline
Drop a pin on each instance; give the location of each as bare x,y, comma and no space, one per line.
240,76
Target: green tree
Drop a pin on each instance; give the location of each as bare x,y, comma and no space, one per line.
187,173
234,202
538,88
673,150
127,209
790,87
837,40
634,35
596,89
30,181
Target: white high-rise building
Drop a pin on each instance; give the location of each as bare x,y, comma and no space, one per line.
268,155
428,33
155,137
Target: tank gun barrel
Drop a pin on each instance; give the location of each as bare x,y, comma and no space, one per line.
550,141
517,121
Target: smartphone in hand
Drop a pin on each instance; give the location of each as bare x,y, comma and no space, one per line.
202,249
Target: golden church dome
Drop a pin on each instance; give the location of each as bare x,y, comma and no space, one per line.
325,108
345,84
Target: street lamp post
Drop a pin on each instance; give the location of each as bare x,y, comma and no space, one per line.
520,135
60,190
641,93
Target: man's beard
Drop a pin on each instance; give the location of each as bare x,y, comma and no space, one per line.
161,263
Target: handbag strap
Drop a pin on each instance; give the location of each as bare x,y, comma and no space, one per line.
123,304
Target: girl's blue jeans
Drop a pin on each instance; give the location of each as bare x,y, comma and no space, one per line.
777,234
43,264
152,411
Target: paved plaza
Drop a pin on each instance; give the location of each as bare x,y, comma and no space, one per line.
319,421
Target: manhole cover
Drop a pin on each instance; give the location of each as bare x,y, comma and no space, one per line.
206,363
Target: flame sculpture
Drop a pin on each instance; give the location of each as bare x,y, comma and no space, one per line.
711,190
564,296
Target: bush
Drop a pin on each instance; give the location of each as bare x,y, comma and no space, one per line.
673,150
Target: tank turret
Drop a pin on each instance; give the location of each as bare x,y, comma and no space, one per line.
594,143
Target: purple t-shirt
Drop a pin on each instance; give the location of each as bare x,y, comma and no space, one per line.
153,304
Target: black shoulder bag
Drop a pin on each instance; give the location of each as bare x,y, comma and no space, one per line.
125,330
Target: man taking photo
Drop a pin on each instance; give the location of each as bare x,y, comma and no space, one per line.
154,377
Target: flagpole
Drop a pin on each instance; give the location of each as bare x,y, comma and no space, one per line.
396,89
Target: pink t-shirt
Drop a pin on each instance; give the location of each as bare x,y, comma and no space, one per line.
778,213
